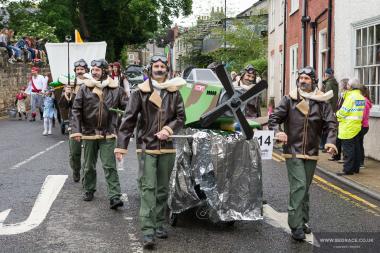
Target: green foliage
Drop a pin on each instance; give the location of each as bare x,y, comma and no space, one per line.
261,65
118,22
24,20
57,13
244,43
198,60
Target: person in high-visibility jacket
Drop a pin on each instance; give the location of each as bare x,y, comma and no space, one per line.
350,117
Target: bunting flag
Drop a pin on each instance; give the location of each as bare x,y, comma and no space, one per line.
78,38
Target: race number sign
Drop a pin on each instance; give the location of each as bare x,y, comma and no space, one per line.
265,139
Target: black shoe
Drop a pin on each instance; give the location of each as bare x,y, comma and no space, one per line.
32,119
298,234
148,242
306,228
345,173
115,203
334,159
161,233
76,177
88,196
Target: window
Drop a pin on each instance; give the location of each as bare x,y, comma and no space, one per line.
311,47
131,57
281,19
272,15
323,50
367,59
294,6
293,66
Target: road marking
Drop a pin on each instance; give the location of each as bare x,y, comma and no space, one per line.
278,156
35,156
124,197
349,200
135,244
336,188
353,196
49,191
280,220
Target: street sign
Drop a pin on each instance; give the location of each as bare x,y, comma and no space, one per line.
265,139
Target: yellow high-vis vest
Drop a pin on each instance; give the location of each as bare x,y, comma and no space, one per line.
350,115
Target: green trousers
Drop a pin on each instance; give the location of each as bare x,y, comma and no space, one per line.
75,155
153,182
300,175
105,147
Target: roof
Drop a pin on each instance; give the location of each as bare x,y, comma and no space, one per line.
253,6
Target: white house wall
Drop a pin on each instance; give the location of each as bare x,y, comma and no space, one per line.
275,39
347,13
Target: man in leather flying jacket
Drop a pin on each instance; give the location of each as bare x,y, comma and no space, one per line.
304,113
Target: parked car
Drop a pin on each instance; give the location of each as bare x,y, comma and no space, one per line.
134,74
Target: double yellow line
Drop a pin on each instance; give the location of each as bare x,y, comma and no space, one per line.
277,157
342,193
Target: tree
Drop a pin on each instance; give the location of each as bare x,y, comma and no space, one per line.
126,21
25,21
244,42
117,22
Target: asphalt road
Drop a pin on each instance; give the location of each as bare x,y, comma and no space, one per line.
72,225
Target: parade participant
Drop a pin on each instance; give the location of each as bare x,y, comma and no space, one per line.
110,69
162,113
20,103
304,113
37,84
66,101
350,117
120,78
94,124
329,83
246,81
48,110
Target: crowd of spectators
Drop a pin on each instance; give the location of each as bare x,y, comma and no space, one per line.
25,49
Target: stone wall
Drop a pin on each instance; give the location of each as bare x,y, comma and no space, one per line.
12,77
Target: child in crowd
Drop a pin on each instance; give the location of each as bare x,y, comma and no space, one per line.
48,111
20,103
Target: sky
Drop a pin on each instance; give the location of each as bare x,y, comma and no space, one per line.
203,8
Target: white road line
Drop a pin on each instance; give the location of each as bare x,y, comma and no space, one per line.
135,244
49,191
280,220
35,156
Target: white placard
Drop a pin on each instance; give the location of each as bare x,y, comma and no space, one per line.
265,139
57,54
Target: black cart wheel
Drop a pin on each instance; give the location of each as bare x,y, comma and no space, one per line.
230,223
63,128
173,218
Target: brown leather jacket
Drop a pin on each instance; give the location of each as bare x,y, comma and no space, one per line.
253,106
66,101
303,123
91,117
157,112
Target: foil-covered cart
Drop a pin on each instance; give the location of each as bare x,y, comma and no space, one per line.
218,173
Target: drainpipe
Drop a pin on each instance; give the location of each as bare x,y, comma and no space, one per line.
284,54
305,19
329,28
314,26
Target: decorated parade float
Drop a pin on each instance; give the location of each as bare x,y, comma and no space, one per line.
218,168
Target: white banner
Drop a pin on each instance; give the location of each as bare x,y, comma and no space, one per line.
265,139
57,55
